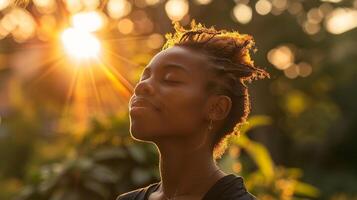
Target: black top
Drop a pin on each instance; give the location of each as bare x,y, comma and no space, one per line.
229,187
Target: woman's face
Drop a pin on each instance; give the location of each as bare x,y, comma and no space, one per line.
170,99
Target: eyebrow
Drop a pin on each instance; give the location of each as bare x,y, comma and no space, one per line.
171,66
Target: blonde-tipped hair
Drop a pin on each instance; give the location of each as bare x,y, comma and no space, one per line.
229,52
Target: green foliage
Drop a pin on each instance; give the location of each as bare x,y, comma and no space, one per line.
312,119
268,181
104,164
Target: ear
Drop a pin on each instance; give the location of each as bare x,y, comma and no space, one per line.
219,107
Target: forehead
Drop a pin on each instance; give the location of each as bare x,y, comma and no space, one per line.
189,59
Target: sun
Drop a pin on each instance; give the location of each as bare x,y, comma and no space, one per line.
80,44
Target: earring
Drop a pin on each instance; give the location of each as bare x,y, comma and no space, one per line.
210,126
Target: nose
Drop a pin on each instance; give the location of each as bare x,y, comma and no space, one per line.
144,88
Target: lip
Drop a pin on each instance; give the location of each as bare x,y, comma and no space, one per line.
140,103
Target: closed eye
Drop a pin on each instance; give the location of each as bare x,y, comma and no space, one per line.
142,78
172,81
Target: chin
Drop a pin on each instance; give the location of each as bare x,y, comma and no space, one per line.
139,137
140,133
141,129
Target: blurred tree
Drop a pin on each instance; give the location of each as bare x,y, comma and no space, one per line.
47,99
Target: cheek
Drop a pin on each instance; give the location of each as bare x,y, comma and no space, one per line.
181,114
184,113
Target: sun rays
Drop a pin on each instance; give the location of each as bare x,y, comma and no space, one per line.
95,84
80,66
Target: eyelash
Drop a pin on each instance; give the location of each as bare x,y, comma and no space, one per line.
171,81
143,77
164,80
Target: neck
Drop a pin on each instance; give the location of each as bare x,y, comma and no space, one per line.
186,169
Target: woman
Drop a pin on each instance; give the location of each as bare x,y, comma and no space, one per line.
190,98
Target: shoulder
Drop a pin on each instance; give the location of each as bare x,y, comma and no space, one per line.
138,194
131,195
246,196
230,187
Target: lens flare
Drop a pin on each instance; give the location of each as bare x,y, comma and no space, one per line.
80,44
88,21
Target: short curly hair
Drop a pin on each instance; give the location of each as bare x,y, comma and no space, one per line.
229,52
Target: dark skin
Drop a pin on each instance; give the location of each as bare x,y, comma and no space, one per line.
171,108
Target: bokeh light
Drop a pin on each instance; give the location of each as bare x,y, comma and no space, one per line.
155,41
311,28
295,8
46,29
203,2
90,4
4,4
20,23
118,8
142,23
88,21
80,44
280,4
292,71
237,167
3,32
281,57
326,8
73,6
263,7
152,2
125,26
242,13
315,15
341,20
305,69
45,6
176,9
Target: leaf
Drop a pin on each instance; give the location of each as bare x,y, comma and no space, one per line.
97,188
140,176
84,163
109,153
103,174
306,189
254,121
137,153
259,154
